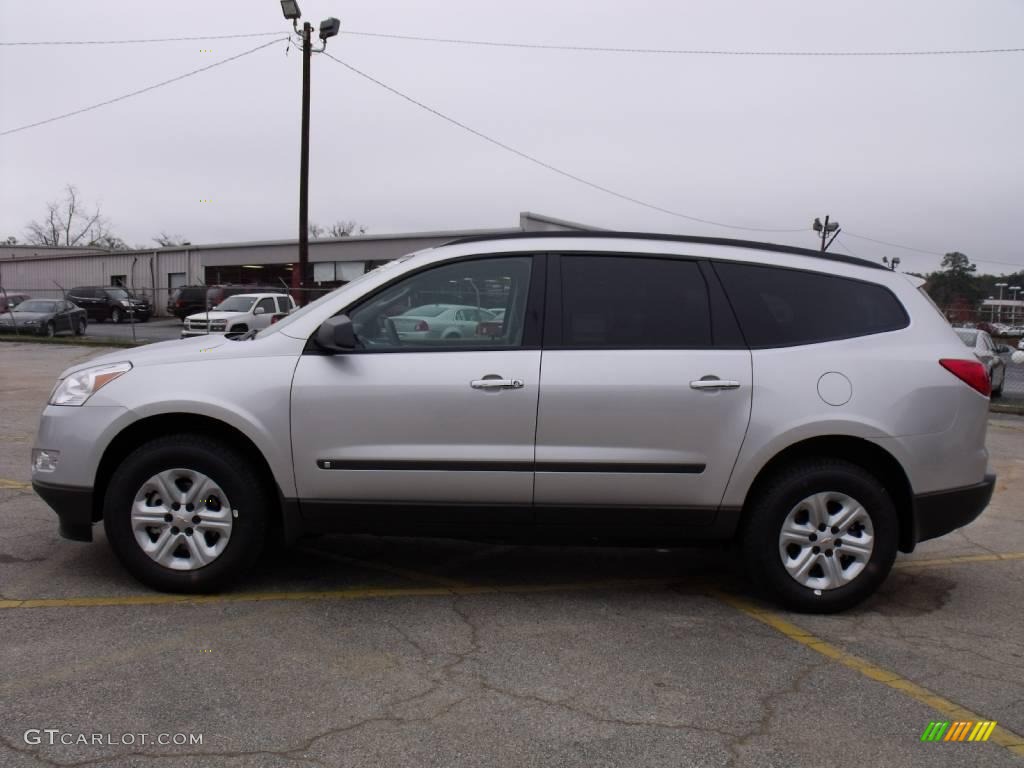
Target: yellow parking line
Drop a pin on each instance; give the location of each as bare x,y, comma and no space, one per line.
956,560
15,484
1002,736
356,593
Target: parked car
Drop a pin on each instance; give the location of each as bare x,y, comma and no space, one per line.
440,321
10,300
186,300
45,317
239,314
987,351
813,407
110,302
215,294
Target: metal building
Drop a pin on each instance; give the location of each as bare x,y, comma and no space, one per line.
45,271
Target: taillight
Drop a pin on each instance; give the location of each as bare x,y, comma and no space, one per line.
422,326
179,303
274,319
970,372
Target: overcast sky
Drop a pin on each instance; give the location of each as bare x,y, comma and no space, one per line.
925,151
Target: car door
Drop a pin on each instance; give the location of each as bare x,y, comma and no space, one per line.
263,312
645,390
62,319
445,422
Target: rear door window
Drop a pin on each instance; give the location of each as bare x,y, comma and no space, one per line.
780,307
633,302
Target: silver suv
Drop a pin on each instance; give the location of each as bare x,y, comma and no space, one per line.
619,387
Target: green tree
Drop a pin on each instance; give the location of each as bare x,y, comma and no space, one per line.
956,284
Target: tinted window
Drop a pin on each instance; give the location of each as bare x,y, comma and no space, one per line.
629,301
784,307
267,305
284,303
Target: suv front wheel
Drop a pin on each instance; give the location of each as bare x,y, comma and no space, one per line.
821,536
186,513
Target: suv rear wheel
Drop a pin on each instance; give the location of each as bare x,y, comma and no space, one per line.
186,513
115,315
821,536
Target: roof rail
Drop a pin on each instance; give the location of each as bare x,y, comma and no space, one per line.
727,241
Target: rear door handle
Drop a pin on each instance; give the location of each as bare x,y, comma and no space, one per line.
496,383
714,383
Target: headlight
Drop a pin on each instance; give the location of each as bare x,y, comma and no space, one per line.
80,386
125,303
31,322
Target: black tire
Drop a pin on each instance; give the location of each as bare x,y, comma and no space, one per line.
759,539
80,327
242,485
115,315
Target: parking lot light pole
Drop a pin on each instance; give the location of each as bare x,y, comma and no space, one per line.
1000,286
328,28
1013,309
824,230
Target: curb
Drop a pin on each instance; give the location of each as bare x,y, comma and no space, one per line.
1007,408
74,341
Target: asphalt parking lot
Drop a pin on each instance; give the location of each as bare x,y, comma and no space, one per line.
355,651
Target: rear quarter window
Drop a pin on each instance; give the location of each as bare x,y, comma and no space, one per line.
779,307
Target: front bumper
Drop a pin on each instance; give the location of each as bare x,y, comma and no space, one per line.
73,506
938,513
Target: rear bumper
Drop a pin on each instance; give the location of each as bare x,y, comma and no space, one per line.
73,507
936,514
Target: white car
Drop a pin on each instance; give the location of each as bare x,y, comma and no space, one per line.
239,314
441,321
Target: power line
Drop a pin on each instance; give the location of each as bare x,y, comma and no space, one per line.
146,40
549,166
139,91
677,51
930,253
549,46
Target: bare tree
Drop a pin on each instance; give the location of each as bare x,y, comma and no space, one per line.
315,230
69,222
164,240
11,241
342,228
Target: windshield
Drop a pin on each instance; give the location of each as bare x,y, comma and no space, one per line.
117,293
968,337
36,306
236,304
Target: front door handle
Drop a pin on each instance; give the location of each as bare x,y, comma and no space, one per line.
496,382
713,382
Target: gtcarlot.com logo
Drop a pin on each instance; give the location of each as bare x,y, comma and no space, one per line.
51,736
961,730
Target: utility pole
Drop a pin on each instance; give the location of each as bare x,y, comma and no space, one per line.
304,276
329,27
824,230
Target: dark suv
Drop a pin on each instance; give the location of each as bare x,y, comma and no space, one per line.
187,300
110,302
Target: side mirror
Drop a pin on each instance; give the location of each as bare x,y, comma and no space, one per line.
258,311
336,334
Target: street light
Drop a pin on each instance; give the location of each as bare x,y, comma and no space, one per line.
291,11
328,28
1000,286
1014,288
829,227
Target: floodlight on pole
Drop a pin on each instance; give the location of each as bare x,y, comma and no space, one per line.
290,9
